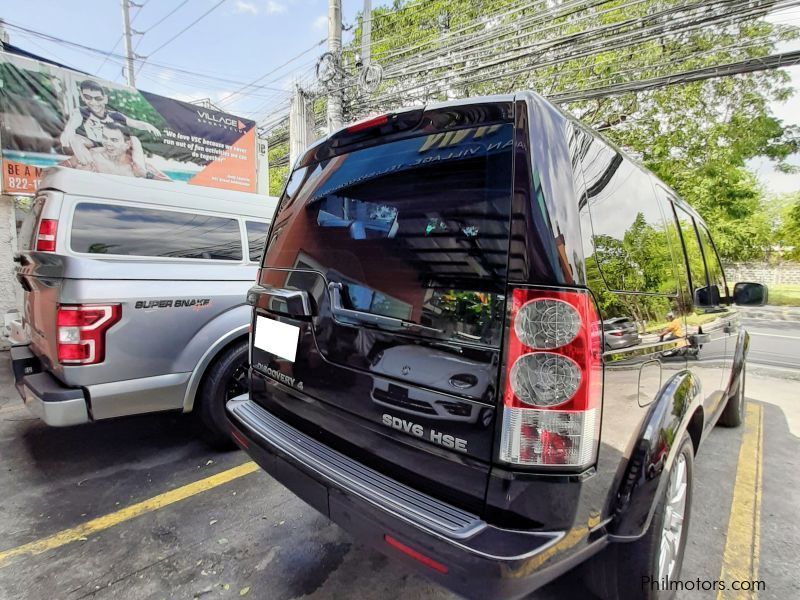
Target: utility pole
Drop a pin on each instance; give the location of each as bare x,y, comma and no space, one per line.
366,33
335,118
298,135
4,39
126,28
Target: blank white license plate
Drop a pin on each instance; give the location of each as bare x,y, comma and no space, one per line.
276,338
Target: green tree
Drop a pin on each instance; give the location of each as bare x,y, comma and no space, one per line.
788,234
278,159
695,136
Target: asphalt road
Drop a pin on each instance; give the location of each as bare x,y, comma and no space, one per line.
252,538
775,343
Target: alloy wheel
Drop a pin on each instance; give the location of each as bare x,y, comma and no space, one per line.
674,511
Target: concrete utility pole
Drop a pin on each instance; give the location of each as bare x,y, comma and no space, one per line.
4,39
366,33
335,102
126,28
298,135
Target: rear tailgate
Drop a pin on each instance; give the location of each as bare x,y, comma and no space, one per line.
40,276
383,293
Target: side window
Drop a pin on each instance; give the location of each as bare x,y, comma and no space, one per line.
630,241
134,231
256,238
694,255
716,278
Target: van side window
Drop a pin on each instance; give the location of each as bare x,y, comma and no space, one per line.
256,238
133,231
630,240
694,256
716,278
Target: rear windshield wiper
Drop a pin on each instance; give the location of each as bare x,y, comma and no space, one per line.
367,318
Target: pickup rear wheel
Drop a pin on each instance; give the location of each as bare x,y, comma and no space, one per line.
733,415
640,569
226,378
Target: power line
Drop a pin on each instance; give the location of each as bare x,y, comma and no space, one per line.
268,73
182,31
119,39
165,17
595,44
119,58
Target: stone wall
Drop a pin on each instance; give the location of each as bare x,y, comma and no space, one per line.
10,291
780,274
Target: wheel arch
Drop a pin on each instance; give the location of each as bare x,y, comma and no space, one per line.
676,410
207,359
739,357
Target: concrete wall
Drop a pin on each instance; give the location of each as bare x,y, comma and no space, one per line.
780,274
10,292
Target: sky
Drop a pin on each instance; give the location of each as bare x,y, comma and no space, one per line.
238,42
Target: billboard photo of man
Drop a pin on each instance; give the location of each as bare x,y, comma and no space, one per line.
84,129
50,115
119,153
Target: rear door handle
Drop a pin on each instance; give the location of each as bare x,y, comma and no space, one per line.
295,303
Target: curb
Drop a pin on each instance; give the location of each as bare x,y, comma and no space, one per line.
787,314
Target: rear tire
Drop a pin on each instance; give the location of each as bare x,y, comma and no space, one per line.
733,415
224,379
619,572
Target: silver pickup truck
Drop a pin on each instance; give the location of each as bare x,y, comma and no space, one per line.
135,298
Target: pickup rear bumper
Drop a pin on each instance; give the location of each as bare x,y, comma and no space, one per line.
451,546
44,395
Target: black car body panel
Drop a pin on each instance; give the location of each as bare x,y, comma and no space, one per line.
383,375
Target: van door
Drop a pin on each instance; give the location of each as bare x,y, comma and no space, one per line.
399,254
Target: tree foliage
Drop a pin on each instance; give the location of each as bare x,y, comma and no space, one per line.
696,136
788,226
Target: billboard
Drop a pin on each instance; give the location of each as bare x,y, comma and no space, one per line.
53,116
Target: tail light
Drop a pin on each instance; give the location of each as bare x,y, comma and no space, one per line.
552,386
46,236
368,123
616,333
82,332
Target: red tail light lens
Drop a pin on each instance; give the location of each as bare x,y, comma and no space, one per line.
552,384
46,236
82,332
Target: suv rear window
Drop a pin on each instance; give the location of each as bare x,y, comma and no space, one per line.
416,229
134,231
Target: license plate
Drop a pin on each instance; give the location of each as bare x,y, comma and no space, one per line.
276,338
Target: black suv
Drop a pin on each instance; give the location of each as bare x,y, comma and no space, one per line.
427,349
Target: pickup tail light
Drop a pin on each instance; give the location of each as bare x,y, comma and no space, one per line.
82,332
551,397
46,235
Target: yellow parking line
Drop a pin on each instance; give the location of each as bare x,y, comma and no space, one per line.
80,532
741,557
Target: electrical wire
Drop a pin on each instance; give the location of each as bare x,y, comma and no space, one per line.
182,31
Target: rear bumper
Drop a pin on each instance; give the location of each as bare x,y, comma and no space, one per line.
477,559
45,396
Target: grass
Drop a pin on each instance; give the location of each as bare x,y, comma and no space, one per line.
784,295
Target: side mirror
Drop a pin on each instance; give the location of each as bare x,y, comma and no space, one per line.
747,293
706,297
